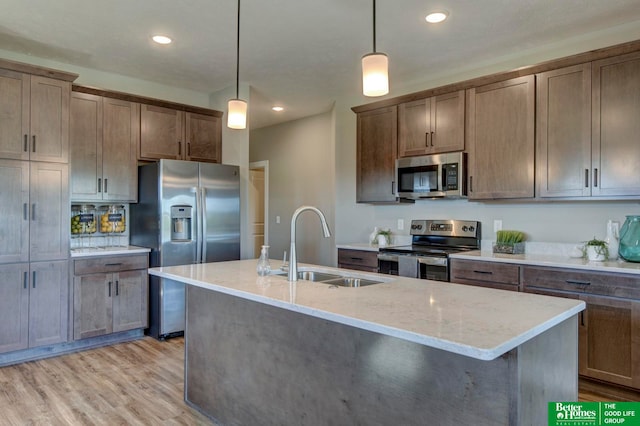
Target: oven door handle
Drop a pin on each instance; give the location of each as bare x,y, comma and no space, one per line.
433,261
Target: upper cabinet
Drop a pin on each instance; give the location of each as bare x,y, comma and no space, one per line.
104,141
563,132
501,131
34,117
616,126
432,125
377,140
179,135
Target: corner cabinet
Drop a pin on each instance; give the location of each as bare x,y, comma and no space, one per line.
377,146
34,117
179,135
110,294
501,138
432,125
104,139
609,328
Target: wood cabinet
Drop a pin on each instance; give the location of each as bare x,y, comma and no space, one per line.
110,295
377,144
563,132
34,117
615,126
104,139
34,304
361,260
432,125
179,135
609,328
500,139
504,276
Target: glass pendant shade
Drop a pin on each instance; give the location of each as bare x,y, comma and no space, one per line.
375,74
237,114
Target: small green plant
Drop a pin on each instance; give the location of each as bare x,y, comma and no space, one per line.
507,237
384,232
600,247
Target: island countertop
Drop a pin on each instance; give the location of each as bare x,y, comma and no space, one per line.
477,322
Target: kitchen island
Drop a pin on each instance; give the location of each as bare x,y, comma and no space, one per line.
262,350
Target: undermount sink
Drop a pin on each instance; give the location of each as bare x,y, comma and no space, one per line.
341,280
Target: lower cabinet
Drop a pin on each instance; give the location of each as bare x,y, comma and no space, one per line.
34,304
609,328
110,295
361,260
504,276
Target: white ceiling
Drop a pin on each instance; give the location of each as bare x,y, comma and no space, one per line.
301,54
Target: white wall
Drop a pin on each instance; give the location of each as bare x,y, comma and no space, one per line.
301,164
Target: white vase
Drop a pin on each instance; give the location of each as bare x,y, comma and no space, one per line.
594,253
382,241
612,239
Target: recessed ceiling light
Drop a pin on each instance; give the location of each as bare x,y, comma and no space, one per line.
435,17
160,39
277,108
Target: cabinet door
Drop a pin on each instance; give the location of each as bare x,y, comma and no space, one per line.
48,303
85,141
377,140
14,115
49,119
119,144
447,123
500,129
130,300
49,212
563,136
203,137
503,276
610,340
414,126
14,305
161,133
14,211
92,305
616,108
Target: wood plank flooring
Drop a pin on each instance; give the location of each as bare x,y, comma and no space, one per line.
134,383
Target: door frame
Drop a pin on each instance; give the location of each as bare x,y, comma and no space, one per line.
264,166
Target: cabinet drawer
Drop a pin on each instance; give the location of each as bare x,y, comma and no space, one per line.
368,259
471,272
572,280
110,264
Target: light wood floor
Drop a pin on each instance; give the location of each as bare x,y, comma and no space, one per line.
134,383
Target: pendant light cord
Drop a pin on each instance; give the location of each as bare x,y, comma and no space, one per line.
374,26
238,55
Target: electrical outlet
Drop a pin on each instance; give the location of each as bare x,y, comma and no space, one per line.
277,219
400,224
497,225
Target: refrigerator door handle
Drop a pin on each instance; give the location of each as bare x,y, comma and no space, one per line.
198,227
203,220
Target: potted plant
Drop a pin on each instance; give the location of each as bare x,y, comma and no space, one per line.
382,237
510,242
596,249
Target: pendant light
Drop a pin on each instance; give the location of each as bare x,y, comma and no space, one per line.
237,108
375,68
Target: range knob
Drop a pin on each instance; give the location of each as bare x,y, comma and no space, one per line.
465,228
472,228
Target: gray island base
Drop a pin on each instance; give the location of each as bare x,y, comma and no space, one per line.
251,360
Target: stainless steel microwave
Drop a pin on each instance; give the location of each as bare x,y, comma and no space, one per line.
432,176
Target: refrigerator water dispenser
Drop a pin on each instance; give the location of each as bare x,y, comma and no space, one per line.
181,223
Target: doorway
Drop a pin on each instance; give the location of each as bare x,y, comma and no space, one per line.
258,206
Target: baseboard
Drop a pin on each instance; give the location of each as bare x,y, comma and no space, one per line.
603,391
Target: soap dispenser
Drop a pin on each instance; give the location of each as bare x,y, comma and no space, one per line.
264,268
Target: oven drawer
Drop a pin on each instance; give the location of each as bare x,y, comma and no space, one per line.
504,276
361,260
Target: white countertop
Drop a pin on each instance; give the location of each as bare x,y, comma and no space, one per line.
108,251
358,246
553,260
473,321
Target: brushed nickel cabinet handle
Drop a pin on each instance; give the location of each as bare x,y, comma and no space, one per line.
25,211
432,139
33,283
33,147
426,139
483,272
578,282
470,183
105,186
189,149
33,211
595,178
586,178
117,287
25,279
179,148
26,143
109,288
99,185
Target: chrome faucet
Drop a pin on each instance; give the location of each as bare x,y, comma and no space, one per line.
293,261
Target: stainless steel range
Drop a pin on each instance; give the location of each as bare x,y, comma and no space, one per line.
431,243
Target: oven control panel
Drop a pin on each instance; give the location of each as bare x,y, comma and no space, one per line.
449,228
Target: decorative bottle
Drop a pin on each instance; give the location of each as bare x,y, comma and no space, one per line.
612,238
630,239
264,267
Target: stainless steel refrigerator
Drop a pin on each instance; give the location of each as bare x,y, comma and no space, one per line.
187,212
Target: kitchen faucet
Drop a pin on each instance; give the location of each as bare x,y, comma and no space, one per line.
293,261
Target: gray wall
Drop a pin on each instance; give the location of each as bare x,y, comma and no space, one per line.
301,172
